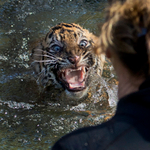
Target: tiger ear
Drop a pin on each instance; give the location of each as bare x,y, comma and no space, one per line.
100,54
97,48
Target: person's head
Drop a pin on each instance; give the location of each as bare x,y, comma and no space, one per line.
126,35
113,1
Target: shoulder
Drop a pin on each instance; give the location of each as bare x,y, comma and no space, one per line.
93,137
78,138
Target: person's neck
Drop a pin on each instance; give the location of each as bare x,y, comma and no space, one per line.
128,82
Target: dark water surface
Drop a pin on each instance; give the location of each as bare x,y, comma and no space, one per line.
27,119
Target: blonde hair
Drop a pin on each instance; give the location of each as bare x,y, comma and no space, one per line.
126,31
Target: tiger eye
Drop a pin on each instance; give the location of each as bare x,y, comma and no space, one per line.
83,43
56,48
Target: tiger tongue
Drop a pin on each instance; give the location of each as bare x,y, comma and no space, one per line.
75,76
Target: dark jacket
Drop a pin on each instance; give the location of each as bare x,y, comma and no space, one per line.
129,129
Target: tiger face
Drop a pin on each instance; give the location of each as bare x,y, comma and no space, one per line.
65,59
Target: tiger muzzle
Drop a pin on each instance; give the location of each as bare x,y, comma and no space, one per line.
74,79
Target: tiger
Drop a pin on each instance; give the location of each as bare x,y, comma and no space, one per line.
65,58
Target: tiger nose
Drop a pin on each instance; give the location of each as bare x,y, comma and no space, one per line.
74,59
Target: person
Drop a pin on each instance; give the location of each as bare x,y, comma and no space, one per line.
125,38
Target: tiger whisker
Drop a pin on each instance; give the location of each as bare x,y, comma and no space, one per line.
83,57
84,60
44,61
40,75
44,51
85,54
45,56
59,58
47,53
50,63
63,63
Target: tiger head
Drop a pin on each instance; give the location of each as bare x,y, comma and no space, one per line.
65,59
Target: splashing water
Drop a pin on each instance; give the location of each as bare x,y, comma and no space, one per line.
28,121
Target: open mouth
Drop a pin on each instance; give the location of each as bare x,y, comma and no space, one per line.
74,78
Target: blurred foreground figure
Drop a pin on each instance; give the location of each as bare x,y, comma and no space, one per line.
125,38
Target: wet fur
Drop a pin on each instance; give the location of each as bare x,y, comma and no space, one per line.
45,61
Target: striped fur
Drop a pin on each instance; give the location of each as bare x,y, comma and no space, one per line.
62,42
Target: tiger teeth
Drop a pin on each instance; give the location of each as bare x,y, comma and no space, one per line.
70,70
63,76
84,69
80,68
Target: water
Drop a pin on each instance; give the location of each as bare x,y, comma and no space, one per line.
28,119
